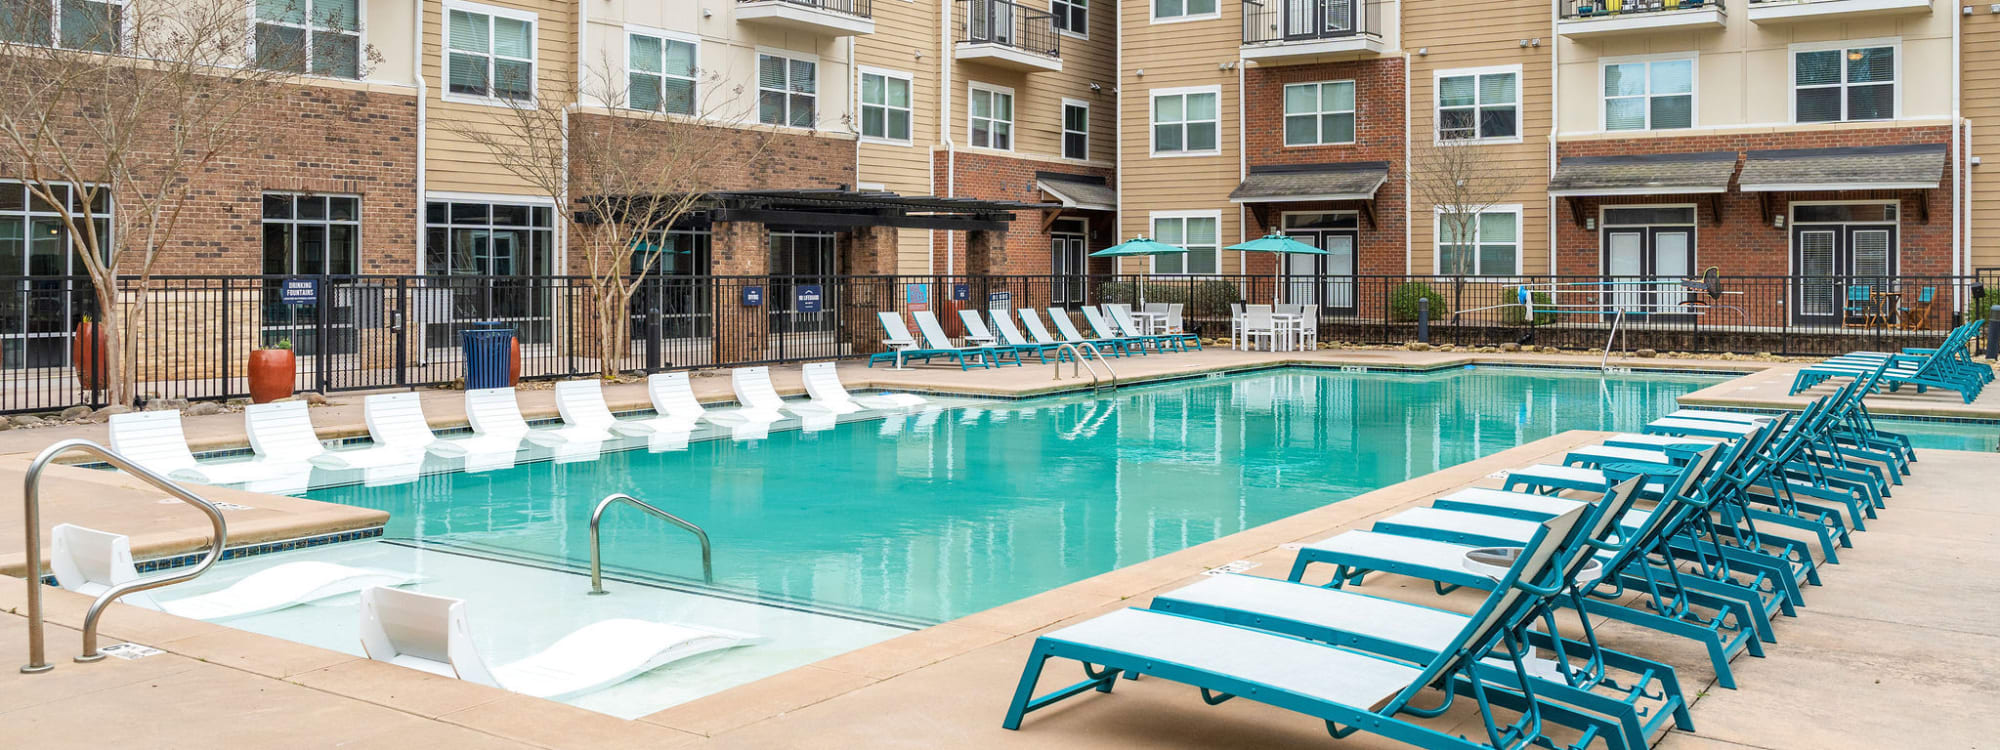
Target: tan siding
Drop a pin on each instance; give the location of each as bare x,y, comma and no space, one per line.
1980,45
456,164
1178,55
906,40
1494,41
1038,96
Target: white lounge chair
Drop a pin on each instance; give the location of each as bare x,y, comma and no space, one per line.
760,399
400,433
153,439
823,385
586,416
496,421
433,634
673,397
282,432
90,562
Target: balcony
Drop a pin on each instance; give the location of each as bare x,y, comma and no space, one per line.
1305,31
1787,11
1006,35
1593,18
823,17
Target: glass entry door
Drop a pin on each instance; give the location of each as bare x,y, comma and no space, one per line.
1313,19
1834,261
1644,246
42,304
1324,280
801,258
1067,261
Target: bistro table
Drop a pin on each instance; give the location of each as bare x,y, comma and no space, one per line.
1886,305
1150,323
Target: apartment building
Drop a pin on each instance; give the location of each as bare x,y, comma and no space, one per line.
1650,138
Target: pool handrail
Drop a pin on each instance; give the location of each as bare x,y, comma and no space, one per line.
596,559
31,504
1076,360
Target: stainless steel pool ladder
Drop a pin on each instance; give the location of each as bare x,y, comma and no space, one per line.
596,560
1077,360
32,503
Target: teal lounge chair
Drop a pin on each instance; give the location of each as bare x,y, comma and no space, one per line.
1349,690
1724,625
967,356
899,341
977,332
1121,320
1106,331
1067,330
1412,632
1011,336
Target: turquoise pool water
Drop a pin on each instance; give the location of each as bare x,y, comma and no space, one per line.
926,517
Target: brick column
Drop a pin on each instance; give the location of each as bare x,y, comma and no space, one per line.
867,252
741,334
985,252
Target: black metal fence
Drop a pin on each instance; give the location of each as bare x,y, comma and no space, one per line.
1572,9
194,334
1296,21
1007,24
859,8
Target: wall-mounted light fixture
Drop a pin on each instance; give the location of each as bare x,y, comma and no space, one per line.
1590,223
1778,221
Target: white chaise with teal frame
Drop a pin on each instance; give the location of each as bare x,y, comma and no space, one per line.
1349,690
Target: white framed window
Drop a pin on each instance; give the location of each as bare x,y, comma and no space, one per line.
1186,122
490,53
1318,114
1492,249
885,105
1072,17
660,71
1648,94
1075,129
787,89
1184,10
990,112
1198,231
1845,81
1482,104
320,37
91,25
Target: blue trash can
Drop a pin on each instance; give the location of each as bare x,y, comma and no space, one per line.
489,353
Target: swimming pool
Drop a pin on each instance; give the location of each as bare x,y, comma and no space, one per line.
827,540
927,517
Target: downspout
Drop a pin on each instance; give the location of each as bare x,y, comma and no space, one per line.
423,122
570,110
1409,210
1555,126
1243,167
1960,242
944,128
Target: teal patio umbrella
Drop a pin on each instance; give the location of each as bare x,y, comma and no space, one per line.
1278,243
1139,246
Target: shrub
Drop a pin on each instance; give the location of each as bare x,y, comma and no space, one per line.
1403,302
1515,316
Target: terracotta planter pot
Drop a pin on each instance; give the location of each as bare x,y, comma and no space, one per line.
514,365
272,373
87,353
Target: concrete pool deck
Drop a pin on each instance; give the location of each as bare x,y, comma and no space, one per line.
1896,645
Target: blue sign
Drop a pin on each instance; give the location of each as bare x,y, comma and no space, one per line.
299,292
1000,301
808,298
961,292
753,296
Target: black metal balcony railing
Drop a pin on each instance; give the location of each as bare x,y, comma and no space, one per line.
1007,24
857,8
1308,20
1576,9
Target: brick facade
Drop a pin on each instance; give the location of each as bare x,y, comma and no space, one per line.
1026,244
1745,242
310,140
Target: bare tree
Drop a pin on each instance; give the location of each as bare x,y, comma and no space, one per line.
1461,179
625,165
115,116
